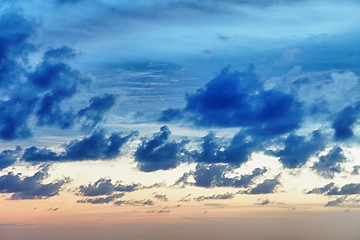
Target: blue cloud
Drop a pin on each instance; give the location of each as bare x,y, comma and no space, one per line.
235,154
96,146
223,196
101,200
238,99
158,153
329,164
214,175
298,150
330,189
94,113
30,187
266,187
106,187
8,157
345,121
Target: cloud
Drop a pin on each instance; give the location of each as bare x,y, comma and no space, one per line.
161,197
16,32
135,202
101,200
216,197
94,113
158,153
345,121
330,189
8,157
59,81
97,146
356,170
214,175
266,187
329,164
321,190
30,187
106,187
237,153
263,202
238,99
336,202
298,150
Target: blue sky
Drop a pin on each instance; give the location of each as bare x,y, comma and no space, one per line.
151,109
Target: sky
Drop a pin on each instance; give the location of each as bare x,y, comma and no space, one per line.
179,119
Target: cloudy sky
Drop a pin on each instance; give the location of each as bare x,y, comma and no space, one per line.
179,119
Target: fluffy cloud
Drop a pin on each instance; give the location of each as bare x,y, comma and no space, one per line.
298,150
96,146
8,157
330,189
214,175
106,187
238,99
329,164
266,187
158,153
30,187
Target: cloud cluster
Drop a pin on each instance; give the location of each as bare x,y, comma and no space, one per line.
97,146
30,187
158,153
331,190
40,91
238,99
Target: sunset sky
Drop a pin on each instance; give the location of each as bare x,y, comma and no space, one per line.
179,119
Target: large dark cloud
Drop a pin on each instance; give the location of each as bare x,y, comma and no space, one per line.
329,164
238,99
298,149
158,153
30,187
97,146
214,175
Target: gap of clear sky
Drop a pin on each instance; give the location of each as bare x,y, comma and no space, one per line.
179,119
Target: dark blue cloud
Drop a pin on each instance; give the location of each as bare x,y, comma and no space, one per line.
96,146
30,187
8,157
59,81
345,121
106,187
214,175
238,99
298,150
329,164
236,153
14,114
322,190
14,46
158,153
15,108
266,187
94,113
330,189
